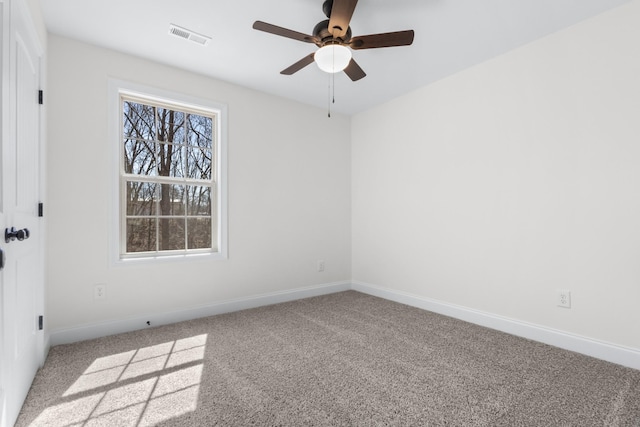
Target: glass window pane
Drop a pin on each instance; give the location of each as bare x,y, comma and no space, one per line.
171,234
171,126
174,152
141,198
139,157
138,121
199,233
171,200
199,163
200,131
171,160
198,200
141,235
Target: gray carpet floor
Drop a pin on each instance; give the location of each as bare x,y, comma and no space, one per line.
345,359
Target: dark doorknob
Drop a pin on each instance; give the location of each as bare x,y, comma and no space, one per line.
13,234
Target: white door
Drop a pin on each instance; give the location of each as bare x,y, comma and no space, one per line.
21,278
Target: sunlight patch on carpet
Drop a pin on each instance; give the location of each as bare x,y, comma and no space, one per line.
134,388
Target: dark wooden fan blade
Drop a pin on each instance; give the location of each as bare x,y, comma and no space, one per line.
284,32
341,13
354,71
398,38
298,65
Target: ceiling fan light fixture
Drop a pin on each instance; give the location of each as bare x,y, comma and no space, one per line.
332,58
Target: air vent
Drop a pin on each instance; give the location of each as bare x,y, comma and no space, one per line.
192,36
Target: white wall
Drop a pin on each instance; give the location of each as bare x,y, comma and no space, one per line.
288,174
494,187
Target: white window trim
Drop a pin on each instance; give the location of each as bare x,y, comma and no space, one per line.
115,89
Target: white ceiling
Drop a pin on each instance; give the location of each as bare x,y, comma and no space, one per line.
450,35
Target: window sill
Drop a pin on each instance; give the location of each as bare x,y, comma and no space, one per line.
162,259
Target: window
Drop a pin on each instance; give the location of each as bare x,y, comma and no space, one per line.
170,183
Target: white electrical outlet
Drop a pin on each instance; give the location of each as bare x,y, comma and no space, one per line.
100,291
564,298
320,265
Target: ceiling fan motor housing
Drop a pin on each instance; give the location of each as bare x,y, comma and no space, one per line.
321,31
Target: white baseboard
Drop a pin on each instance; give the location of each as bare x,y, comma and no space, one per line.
620,355
97,330
625,356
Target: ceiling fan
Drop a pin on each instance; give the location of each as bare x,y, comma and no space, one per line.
333,38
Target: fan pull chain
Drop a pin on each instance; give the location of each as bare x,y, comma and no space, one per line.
332,87
329,98
333,83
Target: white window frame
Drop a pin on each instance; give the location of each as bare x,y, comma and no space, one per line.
117,88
